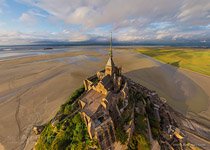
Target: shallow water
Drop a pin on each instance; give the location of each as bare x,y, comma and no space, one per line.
75,59
8,53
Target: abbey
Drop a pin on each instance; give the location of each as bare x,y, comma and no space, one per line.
99,107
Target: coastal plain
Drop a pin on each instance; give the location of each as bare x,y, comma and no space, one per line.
195,59
33,88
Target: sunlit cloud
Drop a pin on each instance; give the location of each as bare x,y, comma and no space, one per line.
134,20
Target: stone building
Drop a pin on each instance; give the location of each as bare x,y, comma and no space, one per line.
100,101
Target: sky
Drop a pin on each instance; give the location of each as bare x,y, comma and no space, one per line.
38,21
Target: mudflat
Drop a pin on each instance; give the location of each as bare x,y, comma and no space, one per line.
33,88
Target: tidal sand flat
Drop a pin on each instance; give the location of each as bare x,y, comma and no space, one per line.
33,88
194,63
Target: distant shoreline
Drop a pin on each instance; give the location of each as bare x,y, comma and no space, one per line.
21,51
107,44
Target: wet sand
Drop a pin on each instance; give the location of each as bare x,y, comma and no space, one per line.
33,88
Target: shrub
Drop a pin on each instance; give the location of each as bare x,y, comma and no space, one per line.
74,136
121,135
138,141
68,133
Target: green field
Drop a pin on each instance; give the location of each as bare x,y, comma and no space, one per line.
194,59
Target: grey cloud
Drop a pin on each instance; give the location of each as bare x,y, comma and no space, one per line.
130,20
95,13
194,12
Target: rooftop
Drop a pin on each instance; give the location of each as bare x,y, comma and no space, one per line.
110,62
93,100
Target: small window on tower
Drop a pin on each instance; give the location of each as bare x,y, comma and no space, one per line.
108,69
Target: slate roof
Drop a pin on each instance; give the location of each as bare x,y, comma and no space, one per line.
106,81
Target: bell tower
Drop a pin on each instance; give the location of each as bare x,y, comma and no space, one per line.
109,69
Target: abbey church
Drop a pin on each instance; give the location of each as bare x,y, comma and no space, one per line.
99,107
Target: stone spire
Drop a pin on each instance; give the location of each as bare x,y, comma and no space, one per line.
110,53
110,63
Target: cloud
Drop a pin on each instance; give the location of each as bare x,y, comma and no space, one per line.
31,17
133,20
28,19
195,12
15,37
2,5
99,12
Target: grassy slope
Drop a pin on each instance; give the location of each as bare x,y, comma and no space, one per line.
197,60
69,132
